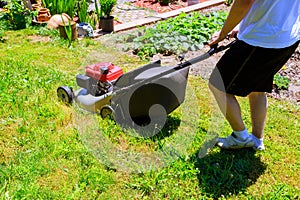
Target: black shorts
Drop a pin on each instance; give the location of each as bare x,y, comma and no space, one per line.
244,68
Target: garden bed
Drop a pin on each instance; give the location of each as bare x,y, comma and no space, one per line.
159,7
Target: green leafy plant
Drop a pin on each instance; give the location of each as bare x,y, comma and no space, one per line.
68,31
44,31
281,82
93,20
83,11
61,6
84,16
107,7
4,21
17,14
176,35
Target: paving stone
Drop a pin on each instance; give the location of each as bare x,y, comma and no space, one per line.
124,12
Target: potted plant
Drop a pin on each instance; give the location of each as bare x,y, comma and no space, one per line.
17,13
106,19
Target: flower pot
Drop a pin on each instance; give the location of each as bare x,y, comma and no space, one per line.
58,19
43,15
62,30
107,24
84,30
35,7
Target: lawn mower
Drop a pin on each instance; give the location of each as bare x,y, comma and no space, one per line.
128,98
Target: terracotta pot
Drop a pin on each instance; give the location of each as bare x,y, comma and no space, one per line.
43,15
58,19
36,6
43,11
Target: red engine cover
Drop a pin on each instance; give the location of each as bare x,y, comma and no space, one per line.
95,71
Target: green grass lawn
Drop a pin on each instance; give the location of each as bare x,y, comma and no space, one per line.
43,156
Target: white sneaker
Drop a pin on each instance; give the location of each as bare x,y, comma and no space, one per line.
258,146
233,142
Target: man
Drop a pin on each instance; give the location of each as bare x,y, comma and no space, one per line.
268,34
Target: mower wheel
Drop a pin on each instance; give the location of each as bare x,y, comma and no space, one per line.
107,112
65,94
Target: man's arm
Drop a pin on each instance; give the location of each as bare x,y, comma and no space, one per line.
237,12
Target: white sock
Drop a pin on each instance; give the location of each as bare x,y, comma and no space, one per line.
257,142
242,134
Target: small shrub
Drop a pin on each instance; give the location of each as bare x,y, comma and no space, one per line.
83,11
106,7
17,15
281,82
61,6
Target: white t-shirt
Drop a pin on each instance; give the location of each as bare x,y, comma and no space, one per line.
271,24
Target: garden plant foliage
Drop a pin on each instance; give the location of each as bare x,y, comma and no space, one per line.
61,6
176,35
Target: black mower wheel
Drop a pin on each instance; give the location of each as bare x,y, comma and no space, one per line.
65,94
107,112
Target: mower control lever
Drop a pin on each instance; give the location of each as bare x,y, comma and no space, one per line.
181,57
214,49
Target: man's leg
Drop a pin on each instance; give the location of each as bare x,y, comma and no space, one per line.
258,106
229,107
232,112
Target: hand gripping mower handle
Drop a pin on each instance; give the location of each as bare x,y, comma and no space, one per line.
214,49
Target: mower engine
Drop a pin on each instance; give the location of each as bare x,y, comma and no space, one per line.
96,88
99,78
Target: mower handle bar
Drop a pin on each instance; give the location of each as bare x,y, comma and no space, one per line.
214,49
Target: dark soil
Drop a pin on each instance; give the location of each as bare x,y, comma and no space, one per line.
158,7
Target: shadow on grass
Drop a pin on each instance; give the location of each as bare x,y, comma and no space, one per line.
153,132
171,126
227,173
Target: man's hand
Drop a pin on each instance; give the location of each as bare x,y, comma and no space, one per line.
215,39
234,32
218,36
